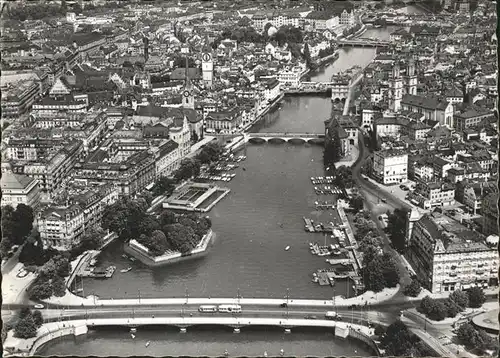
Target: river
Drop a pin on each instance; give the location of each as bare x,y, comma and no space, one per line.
262,215
203,342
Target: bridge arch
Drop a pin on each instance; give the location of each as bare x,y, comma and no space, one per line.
276,140
297,140
256,140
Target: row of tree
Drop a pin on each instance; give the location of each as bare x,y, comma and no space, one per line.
396,228
457,302
16,226
379,270
189,167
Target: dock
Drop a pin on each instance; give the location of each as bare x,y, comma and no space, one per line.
309,225
339,261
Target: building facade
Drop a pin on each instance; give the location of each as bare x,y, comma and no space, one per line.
390,166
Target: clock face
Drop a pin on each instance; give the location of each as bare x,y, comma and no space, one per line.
206,57
186,93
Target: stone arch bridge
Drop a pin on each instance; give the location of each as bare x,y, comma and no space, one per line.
294,138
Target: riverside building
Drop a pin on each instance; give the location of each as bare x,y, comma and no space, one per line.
448,256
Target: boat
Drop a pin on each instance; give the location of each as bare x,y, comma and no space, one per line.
132,259
287,248
132,335
126,270
148,343
125,256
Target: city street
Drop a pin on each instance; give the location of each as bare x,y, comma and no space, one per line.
372,191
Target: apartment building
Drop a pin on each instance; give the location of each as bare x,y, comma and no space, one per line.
447,256
390,166
61,227
52,171
430,195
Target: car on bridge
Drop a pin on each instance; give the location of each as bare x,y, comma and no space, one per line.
311,317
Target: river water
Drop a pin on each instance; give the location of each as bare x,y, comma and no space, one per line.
262,215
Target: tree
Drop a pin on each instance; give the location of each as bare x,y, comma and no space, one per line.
8,222
5,246
92,238
41,291
58,286
167,217
187,169
452,309
180,237
148,225
158,243
25,328
438,311
398,339
460,298
390,270
396,228
413,289
343,177
373,275
426,305
164,186
24,312
476,297
124,217
357,203
37,318
211,152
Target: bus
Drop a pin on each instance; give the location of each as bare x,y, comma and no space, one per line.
207,309
230,308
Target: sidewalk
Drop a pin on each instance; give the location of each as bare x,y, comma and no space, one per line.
368,298
13,287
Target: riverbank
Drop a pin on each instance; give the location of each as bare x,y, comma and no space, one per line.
47,332
141,253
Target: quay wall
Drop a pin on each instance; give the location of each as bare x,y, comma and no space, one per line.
73,330
136,250
360,336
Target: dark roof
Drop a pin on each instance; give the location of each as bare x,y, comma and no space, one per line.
180,74
432,103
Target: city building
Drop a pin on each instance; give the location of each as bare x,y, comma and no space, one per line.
390,166
433,194
448,256
20,189
432,108
61,226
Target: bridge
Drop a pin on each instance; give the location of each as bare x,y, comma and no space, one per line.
363,43
352,86
309,88
298,138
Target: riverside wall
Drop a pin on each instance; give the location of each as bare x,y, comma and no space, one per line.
140,254
360,336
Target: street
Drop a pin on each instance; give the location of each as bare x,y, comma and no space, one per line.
370,191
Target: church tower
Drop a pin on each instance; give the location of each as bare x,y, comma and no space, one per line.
412,78
188,91
207,66
397,88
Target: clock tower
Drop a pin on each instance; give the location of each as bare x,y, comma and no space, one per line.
207,66
188,91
